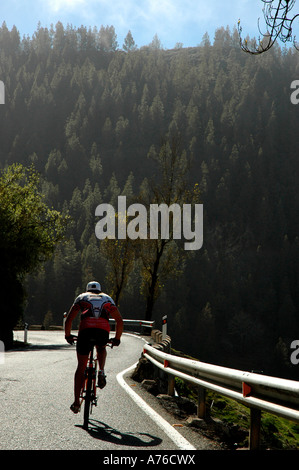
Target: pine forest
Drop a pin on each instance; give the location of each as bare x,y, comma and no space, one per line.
94,118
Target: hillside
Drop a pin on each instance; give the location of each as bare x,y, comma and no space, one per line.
87,116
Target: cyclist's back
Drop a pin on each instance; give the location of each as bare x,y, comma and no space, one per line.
95,308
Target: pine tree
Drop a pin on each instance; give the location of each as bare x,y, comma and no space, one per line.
108,39
129,44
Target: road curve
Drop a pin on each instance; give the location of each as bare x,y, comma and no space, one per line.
36,390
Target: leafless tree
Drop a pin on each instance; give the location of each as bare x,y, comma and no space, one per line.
279,25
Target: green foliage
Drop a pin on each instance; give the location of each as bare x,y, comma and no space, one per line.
276,432
29,234
29,229
48,320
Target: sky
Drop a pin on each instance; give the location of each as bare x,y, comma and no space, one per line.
174,21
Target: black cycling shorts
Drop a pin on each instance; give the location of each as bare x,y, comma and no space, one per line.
90,336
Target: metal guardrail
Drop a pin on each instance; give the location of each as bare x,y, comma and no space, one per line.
137,323
255,391
145,326
127,322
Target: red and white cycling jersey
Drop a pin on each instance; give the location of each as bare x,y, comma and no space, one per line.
95,310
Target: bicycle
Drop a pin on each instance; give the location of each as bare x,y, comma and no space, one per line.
89,390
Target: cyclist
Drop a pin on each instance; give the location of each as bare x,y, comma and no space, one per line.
95,307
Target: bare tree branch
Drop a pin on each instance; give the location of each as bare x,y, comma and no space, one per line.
279,26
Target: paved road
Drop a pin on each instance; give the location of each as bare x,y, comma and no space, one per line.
36,390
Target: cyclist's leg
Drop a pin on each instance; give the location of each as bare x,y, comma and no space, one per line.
102,338
102,355
83,347
79,376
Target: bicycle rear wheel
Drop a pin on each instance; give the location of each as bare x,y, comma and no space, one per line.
87,400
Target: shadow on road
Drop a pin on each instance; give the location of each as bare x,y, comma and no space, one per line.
102,431
37,347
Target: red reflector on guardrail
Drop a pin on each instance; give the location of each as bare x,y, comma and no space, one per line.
246,389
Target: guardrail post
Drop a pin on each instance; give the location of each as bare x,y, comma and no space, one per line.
201,403
25,332
170,381
171,385
2,351
164,327
255,429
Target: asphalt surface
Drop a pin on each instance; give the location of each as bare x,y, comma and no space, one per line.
36,391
